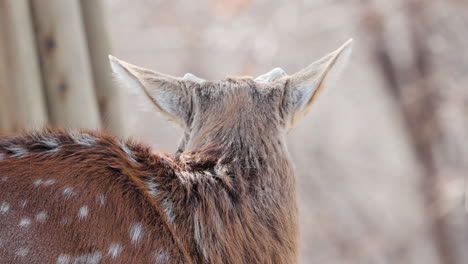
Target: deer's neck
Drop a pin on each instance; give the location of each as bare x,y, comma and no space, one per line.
252,163
250,213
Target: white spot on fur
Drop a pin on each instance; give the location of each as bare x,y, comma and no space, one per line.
128,152
24,203
41,216
5,178
4,207
83,139
161,257
83,212
167,207
136,232
37,182
67,192
64,259
50,182
114,250
2,156
17,151
92,258
25,222
152,187
22,252
40,182
50,142
101,198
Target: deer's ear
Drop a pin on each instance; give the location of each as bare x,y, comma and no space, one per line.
308,82
167,93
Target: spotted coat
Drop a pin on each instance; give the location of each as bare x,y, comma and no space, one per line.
81,198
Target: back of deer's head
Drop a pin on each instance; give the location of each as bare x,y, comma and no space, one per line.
243,108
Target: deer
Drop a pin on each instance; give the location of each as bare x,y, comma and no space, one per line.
227,195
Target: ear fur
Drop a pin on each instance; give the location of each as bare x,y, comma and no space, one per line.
167,93
308,82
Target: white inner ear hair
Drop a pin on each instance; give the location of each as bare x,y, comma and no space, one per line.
272,75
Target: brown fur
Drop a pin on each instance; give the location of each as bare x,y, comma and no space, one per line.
229,205
247,210
102,168
226,196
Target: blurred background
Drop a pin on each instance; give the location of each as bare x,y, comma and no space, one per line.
382,158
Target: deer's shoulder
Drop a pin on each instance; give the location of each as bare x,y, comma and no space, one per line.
92,161
93,183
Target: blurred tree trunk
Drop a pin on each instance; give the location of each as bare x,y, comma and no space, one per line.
66,68
413,89
22,104
108,96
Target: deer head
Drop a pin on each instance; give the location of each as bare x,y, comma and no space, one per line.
222,110
245,121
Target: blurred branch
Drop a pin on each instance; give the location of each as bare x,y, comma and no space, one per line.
418,110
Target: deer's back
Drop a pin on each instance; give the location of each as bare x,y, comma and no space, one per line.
79,198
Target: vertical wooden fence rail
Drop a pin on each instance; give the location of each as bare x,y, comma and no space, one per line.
22,103
108,96
53,66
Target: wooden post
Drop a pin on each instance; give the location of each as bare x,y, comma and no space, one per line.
66,67
5,115
108,96
22,103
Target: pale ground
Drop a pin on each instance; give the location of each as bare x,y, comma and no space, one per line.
359,183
